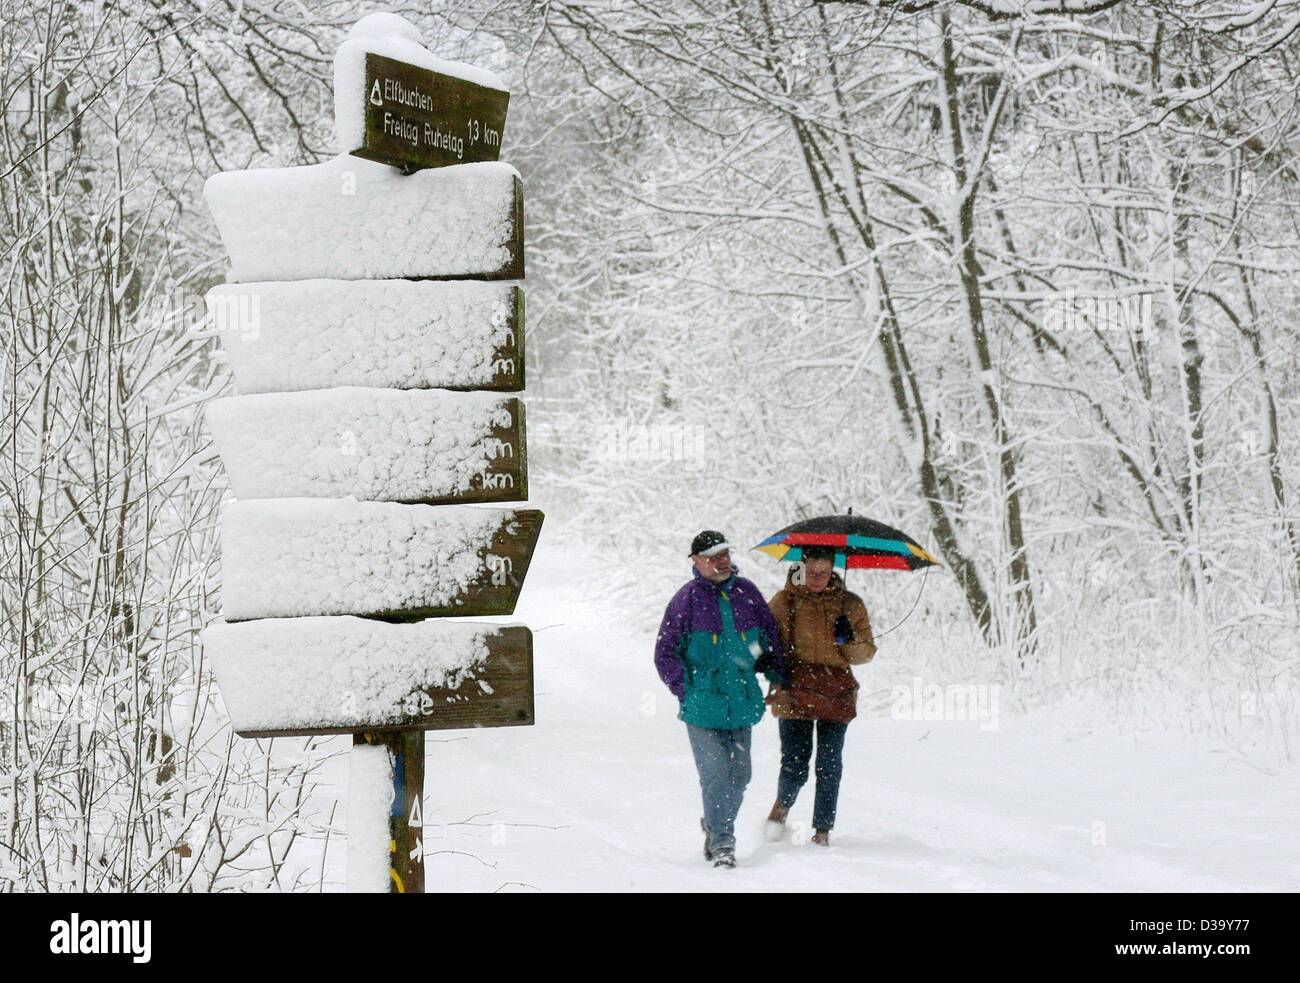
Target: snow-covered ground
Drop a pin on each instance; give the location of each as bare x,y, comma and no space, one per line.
601,794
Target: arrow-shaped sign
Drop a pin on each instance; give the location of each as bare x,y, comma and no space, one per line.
289,557
298,676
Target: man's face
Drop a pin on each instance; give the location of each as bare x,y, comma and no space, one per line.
716,568
817,573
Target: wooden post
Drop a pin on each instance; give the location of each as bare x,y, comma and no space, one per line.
406,820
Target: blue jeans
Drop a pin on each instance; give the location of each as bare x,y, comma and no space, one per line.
796,750
722,760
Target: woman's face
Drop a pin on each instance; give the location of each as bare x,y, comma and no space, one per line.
817,573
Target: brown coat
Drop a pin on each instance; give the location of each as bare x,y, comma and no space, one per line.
821,686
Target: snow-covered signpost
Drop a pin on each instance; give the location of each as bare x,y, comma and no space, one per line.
373,335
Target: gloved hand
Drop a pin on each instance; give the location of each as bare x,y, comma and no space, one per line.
843,630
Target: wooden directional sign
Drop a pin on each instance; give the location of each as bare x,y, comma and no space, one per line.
291,335
418,118
417,446
445,223
497,693
285,558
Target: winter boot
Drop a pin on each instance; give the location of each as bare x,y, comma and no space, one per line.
724,857
822,837
774,828
708,852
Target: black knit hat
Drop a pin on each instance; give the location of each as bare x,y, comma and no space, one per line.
709,543
819,552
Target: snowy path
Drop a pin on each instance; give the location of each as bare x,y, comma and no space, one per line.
601,794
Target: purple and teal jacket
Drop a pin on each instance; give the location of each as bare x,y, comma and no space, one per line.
713,638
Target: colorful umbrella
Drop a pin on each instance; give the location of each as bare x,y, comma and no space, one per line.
858,543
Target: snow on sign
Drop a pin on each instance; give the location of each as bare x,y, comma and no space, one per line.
418,118
290,335
283,677
292,557
353,219
389,445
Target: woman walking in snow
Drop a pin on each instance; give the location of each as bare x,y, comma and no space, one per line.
825,630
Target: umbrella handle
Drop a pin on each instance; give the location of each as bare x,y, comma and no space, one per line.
926,576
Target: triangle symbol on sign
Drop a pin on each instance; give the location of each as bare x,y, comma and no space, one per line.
416,819
375,99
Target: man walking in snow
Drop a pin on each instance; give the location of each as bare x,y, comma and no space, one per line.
716,634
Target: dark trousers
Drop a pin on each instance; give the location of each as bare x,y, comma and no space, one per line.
796,752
